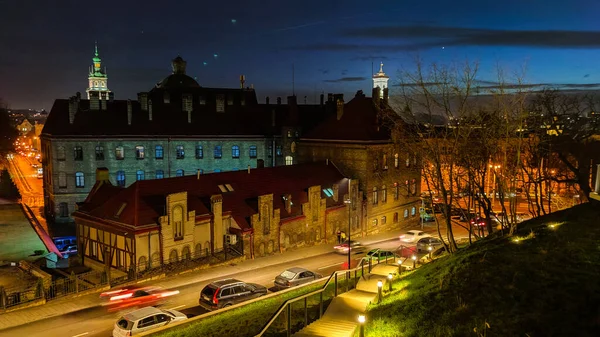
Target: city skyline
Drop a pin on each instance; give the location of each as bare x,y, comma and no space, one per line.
306,48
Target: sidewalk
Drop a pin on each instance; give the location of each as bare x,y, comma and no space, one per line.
72,304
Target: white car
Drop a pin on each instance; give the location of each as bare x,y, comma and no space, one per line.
145,319
413,236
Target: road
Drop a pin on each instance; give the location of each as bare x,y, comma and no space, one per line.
97,321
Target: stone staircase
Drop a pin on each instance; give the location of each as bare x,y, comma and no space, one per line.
341,317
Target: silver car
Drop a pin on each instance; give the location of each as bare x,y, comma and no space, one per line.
148,318
294,277
424,244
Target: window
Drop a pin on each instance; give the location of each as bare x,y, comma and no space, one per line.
179,173
396,160
375,196
160,174
60,153
384,162
139,152
179,152
140,175
278,151
62,180
120,178
63,210
297,133
146,322
217,170
79,179
218,152
395,217
270,152
413,187
383,220
199,152
158,152
289,160
415,159
235,152
406,213
383,194
77,153
396,191
374,222
407,160
413,211
252,152
407,184
99,153
289,133
119,153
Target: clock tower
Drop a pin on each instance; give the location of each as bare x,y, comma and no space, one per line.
380,80
98,80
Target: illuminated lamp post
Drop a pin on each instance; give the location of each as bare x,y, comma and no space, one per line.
390,277
379,291
414,258
361,321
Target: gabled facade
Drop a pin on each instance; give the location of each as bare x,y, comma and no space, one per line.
255,212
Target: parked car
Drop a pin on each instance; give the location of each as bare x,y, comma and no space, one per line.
413,236
136,297
379,255
424,244
141,320
223,293
294,277
351,245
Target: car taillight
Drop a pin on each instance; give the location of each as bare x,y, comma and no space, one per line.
215,299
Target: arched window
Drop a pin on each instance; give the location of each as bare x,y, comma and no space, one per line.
383,194
139,152
199,152
158,152
179,173
140,175
177,222
119,153
99,153
407,184
79,179
289,160
375,196
406,213
413,187
179,152
218,152
160,174
235,152
413,211
252,151
408,160
120,178
396,160
77,153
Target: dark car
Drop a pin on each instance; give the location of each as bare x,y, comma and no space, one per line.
224,293
294,277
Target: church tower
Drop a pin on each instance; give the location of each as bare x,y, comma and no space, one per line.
98,81
380,80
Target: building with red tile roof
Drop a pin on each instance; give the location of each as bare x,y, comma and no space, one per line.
264,211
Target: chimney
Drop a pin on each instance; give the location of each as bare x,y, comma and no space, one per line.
288,203
94,100
143,99
291,100
149,110
267,100
242,81
111,96
187,106
73,107
248,169
376,95
340,108
102,175
322,99
385,96
129,112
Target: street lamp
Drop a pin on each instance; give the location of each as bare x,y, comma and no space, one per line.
430,249
414,258
349,202
379,291
399,267
361,321
390,277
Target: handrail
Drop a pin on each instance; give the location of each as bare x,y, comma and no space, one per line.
292,300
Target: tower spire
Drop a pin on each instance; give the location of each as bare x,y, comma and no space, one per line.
97,79
380,80
96,48
381,68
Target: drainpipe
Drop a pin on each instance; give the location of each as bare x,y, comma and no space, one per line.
149,251
168,155
273,152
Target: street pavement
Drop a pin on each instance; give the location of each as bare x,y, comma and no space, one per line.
85,316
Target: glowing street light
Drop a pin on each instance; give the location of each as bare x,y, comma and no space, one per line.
379,291
361,321
399,267
430,249
414,258
390,277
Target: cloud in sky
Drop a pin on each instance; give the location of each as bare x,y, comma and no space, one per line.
346,79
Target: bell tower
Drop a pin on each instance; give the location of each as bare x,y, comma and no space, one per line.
97,78
380,80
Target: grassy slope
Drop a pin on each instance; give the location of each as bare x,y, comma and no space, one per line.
547,285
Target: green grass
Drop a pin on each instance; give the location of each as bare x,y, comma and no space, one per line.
545,284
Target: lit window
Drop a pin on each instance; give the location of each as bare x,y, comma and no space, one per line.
289,133
408,160
160,174
253,153
139,152
179,152
406,213
383,194
374,222
119,153
120,178
140,175
375,196
384,162
78,153
235,152
413,187
99,153
383,220
218,152
413,211
278,151
158,152
270,152
407,184
396,160
179,173
199,152
79,179
289,160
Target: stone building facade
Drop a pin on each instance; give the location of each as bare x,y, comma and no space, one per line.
177,128
258,211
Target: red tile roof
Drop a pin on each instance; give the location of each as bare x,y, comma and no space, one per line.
147,198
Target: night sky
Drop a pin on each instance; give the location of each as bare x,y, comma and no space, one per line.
46,48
